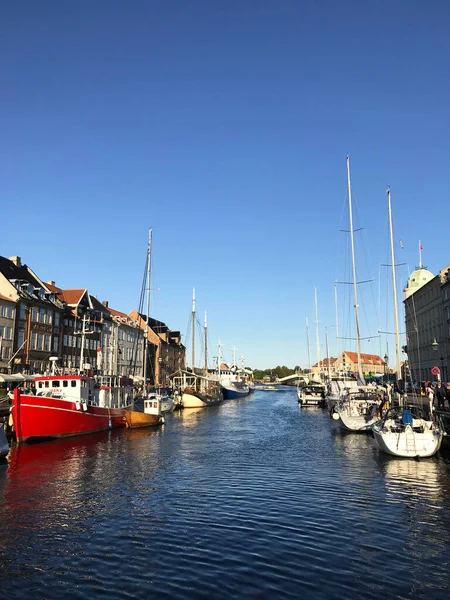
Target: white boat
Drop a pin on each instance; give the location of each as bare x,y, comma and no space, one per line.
337,387
357,410
406,432
167,404
4,446
311,395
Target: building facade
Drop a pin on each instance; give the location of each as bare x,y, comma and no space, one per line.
427,316
37,317
7,326
347,362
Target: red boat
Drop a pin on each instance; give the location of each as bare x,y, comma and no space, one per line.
69,405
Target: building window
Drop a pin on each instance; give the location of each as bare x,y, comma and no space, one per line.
22,311
33,340
55,343
20,337
57,317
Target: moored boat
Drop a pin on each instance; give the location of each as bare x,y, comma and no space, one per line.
151,416
408,433
4,446
311,395
69,405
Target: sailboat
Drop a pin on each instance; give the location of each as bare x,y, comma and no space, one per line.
357,408
196,391
405,432
151,415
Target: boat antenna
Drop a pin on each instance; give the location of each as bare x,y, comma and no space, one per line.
394,290
355,293
420,255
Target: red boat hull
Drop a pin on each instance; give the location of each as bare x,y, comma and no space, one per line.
37,417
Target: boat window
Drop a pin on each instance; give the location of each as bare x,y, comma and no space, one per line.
73,383
47,384
55,383
65,383
40,384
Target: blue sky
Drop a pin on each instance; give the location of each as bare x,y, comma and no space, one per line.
224,126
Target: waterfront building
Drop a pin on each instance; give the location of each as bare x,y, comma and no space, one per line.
37,317
347,362
80,331
7,320
427,316
122,345
166,352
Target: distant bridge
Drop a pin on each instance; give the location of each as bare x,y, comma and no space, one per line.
293,379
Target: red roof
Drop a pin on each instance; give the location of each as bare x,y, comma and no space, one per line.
117,313
366,359
324,362
71,297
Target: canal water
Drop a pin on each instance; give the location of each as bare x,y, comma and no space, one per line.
255,498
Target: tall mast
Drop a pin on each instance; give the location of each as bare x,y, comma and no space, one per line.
193,331
337,318
317,333
355,293
206,345
328,355
420,254
307,343
149,265
394,290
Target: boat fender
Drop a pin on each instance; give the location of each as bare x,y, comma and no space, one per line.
77,405
335,416
85,406
162,420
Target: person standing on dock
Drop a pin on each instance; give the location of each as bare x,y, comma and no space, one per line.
440,394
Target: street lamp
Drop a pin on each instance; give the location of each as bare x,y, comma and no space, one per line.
159,370
435,346
386,358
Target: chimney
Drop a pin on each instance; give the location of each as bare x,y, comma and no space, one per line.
50,282
105,303
16,260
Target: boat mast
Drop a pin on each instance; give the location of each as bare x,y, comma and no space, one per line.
328,355
337,318
319,367
307,343
193,331
205,327
218,361
355,293
82,345
149,262
394,290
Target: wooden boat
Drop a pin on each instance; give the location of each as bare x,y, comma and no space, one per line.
150,417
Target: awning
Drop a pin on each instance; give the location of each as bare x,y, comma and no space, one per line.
9,378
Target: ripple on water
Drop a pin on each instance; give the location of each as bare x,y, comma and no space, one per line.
251,499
